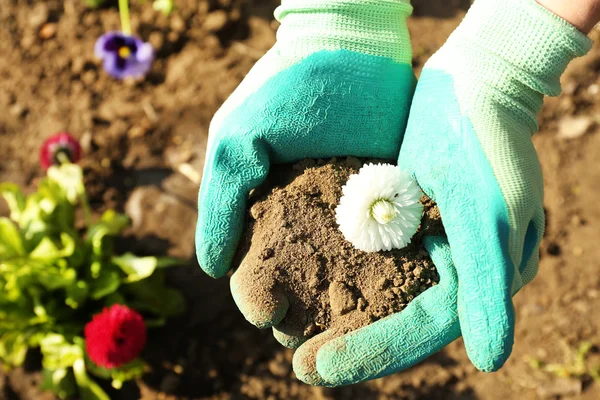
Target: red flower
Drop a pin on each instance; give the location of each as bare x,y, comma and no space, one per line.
56,144
115,336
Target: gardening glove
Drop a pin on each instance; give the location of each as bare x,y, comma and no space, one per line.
338,82
468,144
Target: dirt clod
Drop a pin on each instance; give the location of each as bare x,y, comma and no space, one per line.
293,245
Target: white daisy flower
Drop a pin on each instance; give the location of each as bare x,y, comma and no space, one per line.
379,208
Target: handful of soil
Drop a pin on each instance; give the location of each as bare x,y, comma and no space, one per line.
298,266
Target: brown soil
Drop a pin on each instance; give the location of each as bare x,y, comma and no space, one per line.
138,135
293,247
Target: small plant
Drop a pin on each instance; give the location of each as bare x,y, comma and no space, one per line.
164,6
123,54
575,366
379,208
65,291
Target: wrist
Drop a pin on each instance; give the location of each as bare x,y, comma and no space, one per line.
583,14
375,27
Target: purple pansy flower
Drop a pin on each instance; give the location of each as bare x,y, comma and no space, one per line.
124,55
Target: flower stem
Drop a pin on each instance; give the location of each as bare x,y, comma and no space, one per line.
85,204
124,13
62,158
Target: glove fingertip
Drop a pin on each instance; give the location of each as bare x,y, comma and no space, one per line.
489,344
490,362
211,257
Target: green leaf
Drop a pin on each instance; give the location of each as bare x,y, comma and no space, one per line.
94,3
13,348
127,372
111,224
132,370
114,298
57,352
48,250
70,178
136,268
60,381
14,198
77,294
11,243
164,6
152,295
88,389
107,282
55,278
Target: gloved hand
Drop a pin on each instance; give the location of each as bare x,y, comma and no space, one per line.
337,82
468,143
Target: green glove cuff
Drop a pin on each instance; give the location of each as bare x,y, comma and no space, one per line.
375,27
528,41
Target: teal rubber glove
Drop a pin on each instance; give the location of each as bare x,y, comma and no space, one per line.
468,143
337,82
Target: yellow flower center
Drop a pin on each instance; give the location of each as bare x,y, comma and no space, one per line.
124,52
383,211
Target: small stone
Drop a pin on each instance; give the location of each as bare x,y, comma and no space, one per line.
136,132
342,300
215,21
409,266
310,249
18,110
48,31
418,272
256,211
361,304
396,290
177,23
574,127
398,281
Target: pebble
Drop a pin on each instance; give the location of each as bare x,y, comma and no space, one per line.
342,300
18,110
177,23
48,31
361,304
215,21
570,128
